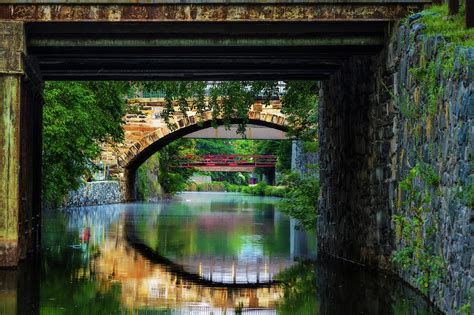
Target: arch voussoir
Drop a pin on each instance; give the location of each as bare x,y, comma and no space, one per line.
133,151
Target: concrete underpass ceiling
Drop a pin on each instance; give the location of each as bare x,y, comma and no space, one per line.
199,50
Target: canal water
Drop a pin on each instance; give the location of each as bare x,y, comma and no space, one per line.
202,253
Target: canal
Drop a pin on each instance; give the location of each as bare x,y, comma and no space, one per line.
201,253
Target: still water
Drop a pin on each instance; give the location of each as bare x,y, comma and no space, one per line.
202,253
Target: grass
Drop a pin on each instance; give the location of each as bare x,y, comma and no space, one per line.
451,27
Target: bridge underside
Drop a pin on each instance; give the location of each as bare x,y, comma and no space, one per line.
238,40
253,132
191,40
199,50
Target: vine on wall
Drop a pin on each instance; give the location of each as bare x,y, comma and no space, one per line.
417,225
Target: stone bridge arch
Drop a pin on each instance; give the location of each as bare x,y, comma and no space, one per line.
131,156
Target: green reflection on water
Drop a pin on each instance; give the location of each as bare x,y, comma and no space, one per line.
200,226
103,274
299,290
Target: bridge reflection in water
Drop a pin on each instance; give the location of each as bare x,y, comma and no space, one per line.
206,253
205,256
146,284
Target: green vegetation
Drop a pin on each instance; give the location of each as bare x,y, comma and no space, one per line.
299,290
424,103
465,309
231,101
416,225
280,148
300,201
300,104
451,27
78,116
469,195
158,175
261,189
148,184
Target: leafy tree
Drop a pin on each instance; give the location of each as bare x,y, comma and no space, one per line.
300,201
77,117
214,146
300,104
174,179
299,290
227,100
160,171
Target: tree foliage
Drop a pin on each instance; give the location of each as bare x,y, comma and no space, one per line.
77,117
231,101
416,226
300,201
159,170
300,104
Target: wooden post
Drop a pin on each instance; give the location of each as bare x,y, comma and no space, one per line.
453,7
469,7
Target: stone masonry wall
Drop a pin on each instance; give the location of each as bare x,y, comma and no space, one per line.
95,193
355,132
301,161
368,144
442,139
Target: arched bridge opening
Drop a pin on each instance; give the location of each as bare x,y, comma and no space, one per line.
129,161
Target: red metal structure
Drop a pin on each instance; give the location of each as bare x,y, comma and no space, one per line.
227,160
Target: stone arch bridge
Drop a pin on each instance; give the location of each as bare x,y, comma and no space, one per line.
146,132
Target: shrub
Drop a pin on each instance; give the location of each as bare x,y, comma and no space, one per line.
300,200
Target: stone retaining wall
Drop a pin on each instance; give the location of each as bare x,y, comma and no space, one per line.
301,161
443,141
95,193
368,144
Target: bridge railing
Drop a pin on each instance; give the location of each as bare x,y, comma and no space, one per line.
226,160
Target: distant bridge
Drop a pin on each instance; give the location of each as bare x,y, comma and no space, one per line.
227,162
147,132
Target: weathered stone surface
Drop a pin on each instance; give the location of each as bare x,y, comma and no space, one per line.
367,146
152,130
12,47
9,157
301,161
8,254
95,193
11,70
445,142
372,10
355,133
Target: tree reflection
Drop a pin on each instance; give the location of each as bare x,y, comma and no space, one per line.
299,290
68,284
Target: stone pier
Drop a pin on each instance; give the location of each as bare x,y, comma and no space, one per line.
20,142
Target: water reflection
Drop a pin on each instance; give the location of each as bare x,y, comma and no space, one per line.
228,239
202,254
